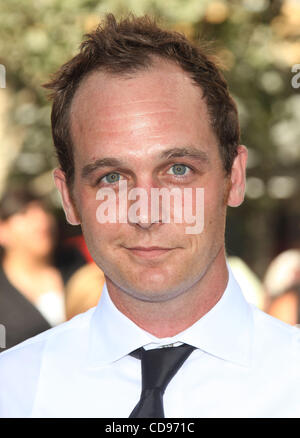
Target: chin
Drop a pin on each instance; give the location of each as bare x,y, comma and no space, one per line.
155,291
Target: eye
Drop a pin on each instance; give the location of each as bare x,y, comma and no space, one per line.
179,170
111,178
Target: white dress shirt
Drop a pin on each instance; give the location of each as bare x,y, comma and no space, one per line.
246,364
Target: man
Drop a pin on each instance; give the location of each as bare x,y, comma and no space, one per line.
144,107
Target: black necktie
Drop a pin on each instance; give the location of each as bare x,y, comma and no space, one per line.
159,366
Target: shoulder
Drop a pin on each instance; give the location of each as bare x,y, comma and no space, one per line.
21,366
272,325
276,343
79,322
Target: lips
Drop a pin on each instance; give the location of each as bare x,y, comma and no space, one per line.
149,248
149,252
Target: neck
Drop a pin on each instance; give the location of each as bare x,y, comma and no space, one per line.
20,261
166,319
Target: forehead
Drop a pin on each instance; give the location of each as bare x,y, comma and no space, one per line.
151,105
172,81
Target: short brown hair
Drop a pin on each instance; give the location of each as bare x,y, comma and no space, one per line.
130,45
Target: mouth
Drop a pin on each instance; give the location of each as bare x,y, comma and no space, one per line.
149,252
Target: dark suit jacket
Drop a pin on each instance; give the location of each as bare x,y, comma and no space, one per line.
19,317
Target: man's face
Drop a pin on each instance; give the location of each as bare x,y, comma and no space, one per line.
149,122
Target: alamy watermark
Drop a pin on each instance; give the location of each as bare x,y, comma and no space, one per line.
296,78
2,336
166,206
2,76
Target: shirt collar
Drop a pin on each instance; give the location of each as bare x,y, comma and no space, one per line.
225,331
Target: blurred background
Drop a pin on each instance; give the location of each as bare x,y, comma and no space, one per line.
258,42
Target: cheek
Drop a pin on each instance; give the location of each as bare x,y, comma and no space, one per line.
101,238
227,188
21,232
22,236
214,218
215,197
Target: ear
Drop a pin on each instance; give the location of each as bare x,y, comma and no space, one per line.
238,178
67,201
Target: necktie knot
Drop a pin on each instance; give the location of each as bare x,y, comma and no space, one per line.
159,366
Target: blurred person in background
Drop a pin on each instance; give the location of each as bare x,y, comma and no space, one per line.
83,289
250,284
31,288
282,285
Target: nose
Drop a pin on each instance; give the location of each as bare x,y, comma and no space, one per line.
142,213
145,225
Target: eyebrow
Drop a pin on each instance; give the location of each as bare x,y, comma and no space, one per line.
97,164
191,152
177,152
